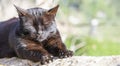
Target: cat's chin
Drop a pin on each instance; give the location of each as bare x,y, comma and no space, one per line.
40,40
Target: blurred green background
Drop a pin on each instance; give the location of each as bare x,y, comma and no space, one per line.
88,27
96,23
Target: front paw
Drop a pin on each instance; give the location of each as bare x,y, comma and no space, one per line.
65,53
46,59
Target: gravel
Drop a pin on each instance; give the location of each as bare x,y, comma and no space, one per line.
71,61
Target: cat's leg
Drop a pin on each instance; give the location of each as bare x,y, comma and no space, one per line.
34,52
56,47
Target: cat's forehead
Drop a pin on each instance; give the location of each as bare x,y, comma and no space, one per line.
36,11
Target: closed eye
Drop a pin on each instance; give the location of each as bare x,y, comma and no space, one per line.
26,32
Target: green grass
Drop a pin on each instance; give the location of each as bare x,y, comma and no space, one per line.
102,48
95,47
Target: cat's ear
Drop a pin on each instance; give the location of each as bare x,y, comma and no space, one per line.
53,10
20,11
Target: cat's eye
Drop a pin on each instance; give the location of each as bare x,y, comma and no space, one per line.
48,21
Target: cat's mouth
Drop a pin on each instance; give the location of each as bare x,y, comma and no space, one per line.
40,38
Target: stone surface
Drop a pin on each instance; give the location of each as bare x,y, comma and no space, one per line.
72,61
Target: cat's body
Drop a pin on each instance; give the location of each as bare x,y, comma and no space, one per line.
32,36
5,28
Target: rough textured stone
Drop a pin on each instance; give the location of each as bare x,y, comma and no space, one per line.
72,61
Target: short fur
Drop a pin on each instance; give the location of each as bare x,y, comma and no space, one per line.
32,36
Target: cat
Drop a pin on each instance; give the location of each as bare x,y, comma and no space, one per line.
33,35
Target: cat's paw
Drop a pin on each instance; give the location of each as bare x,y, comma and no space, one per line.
46,59
65,53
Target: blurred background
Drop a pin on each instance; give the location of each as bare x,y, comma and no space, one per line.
88,27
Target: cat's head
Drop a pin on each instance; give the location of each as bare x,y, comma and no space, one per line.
37,23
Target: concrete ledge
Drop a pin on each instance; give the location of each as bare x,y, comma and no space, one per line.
72,61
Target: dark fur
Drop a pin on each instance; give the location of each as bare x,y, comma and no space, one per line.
21,36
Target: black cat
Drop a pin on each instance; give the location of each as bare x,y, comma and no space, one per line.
32,36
